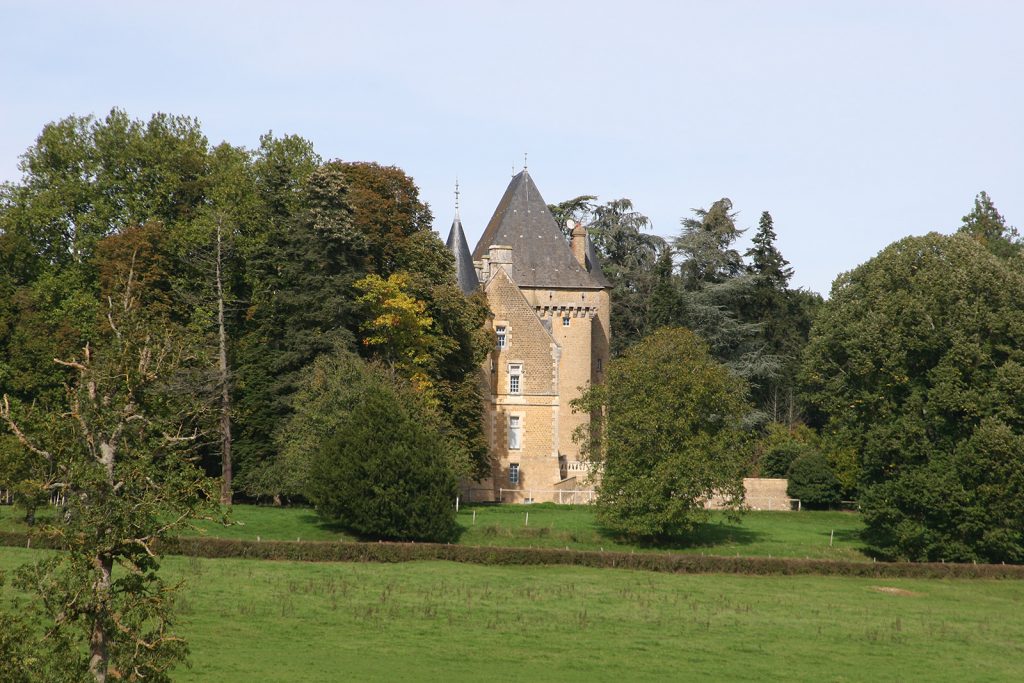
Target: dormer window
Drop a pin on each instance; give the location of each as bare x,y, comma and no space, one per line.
502,336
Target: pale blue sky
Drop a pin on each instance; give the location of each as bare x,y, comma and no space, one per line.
854,123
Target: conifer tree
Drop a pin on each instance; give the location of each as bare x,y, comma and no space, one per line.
399,488
985,224
765,259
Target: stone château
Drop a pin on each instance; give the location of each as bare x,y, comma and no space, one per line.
550,313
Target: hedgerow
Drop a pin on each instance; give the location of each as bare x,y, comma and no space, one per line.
346,551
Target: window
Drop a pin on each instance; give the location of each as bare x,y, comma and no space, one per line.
513,473
600,365
501,336
565,321
515,432
515,378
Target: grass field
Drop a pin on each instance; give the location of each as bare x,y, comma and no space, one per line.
282,621
779,534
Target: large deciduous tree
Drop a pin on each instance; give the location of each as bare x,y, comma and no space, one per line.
118,457
667,436
917,363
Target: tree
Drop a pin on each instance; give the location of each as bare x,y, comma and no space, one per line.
706,246
386,211
399,488
812,481
985,224
667,435
766,260
781,445
118,455
303,305
917,363
578,210
715,288
784,317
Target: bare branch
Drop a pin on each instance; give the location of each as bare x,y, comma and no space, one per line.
5,415
70,364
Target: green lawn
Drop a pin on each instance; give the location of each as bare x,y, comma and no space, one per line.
285,621
779,534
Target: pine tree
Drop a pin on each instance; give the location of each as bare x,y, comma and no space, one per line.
985,224
766,260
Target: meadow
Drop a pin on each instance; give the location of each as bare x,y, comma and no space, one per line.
278,621
816,535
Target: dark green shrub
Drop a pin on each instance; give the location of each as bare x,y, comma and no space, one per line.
388,473
812,480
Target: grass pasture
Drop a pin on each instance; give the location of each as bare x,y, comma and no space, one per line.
762,534
283,621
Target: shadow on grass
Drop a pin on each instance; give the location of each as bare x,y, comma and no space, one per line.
846,535
708,535
313,519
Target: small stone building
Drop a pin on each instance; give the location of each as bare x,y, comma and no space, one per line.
550,314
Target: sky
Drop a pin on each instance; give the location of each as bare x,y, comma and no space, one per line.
853,123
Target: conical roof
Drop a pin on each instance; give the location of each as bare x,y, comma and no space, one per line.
541,257
464,270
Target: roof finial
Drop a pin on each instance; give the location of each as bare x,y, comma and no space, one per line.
525,166
456,196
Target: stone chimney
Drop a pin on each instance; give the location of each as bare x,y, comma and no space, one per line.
500,255
579,242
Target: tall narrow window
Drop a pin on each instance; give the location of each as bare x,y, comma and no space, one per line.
501,336
565,321
513,473
515,378
515,432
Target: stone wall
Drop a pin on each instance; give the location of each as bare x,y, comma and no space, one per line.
760,493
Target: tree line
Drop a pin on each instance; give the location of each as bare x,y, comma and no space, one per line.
902,392
262,259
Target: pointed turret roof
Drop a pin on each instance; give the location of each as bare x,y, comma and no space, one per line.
540,255
464,270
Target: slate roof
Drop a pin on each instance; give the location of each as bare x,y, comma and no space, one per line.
594,266
464,270
541,256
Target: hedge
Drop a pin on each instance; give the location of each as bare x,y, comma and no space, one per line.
347,551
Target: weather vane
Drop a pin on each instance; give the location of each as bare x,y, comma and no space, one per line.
456,195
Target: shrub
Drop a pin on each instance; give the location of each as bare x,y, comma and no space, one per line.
812,480
388,472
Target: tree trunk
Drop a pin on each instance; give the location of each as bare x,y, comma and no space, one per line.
99,658
225,389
